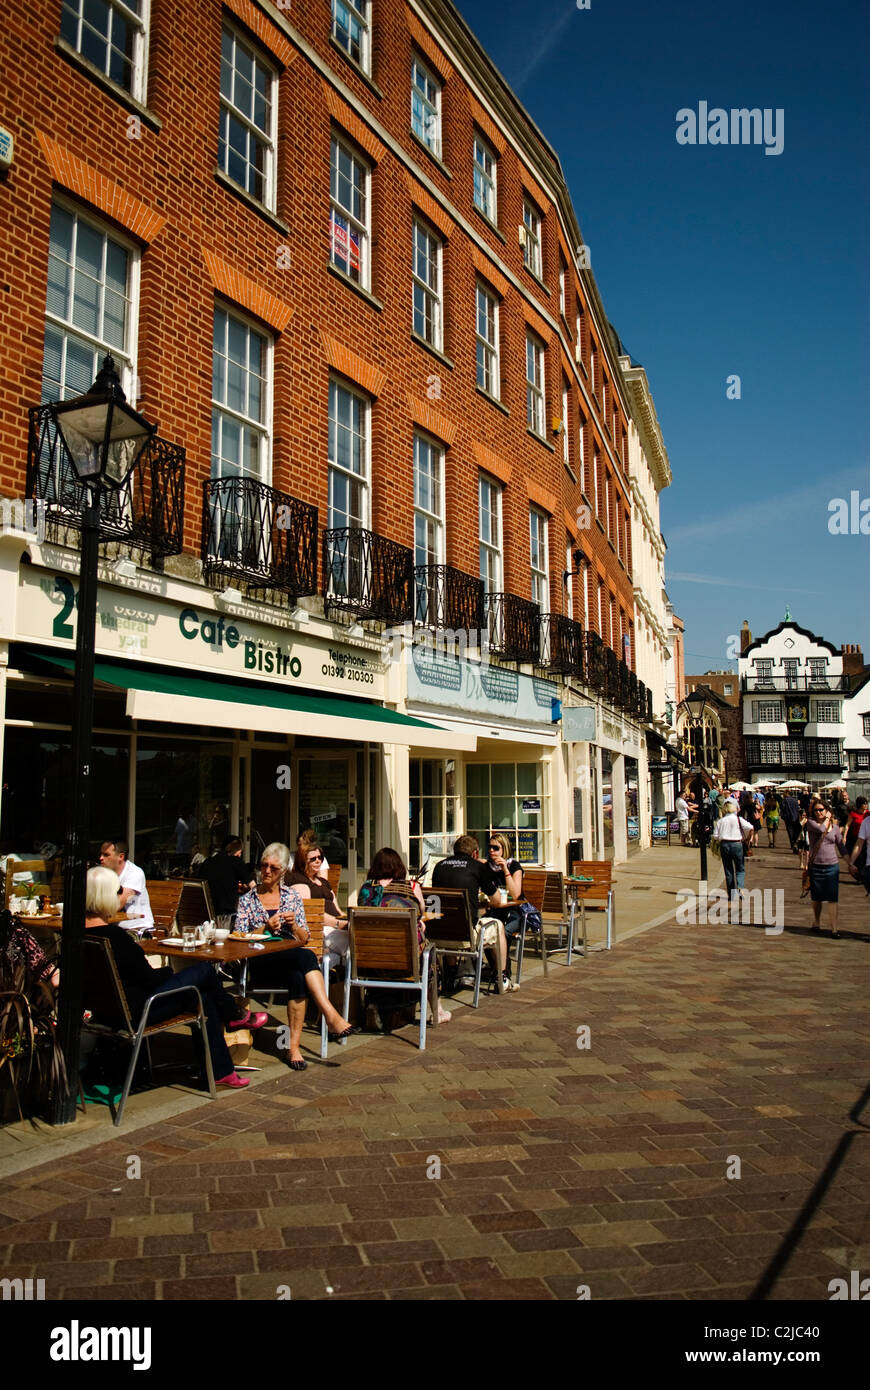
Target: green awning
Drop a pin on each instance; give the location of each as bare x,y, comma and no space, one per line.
168,695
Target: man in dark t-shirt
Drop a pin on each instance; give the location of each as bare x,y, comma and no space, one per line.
464,870
225,874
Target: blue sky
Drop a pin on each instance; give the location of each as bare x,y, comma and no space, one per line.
718,260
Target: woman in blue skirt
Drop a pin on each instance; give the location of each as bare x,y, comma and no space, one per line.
826,849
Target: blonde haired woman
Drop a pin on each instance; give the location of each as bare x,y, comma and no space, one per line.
140,981
502,881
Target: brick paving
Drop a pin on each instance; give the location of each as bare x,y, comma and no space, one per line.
506,1162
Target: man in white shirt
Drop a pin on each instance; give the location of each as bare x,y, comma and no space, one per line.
134,900
682,808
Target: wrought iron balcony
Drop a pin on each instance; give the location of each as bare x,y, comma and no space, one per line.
145,514
253,532
445,599
562,645
793,683
595,675
631,703
514,628
367,575
649,707
795,754
611,676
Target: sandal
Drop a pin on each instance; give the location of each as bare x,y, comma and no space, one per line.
301,1065
347,1033
234,1081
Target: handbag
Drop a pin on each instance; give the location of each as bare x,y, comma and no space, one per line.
531,916
806,881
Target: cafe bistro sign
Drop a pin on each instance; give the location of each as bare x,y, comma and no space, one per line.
145,627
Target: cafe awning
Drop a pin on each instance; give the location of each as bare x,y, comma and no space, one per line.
170,696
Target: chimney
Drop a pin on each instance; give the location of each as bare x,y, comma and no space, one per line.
745,636
853,660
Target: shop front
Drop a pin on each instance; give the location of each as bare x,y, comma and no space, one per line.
213,715
511,781
605,776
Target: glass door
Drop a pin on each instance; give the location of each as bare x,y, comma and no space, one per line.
327,805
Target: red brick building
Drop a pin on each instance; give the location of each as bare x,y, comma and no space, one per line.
335,259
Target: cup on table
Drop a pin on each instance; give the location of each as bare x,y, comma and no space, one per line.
220,935
189,938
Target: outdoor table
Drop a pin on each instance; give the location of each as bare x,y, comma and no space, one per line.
233,949
572,884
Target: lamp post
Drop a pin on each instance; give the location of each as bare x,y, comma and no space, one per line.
103,437
696,703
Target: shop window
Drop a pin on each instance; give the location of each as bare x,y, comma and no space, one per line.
37,776
183,789
432,810
495,793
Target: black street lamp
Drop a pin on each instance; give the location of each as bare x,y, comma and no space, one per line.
103,437
696,703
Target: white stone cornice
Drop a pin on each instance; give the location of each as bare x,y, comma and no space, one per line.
644,413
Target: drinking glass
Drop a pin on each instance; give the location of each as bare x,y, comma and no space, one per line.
189,935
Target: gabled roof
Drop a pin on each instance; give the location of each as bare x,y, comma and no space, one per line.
804,632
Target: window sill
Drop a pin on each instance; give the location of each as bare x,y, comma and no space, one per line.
357,288
489,224
493,400
113,88
250,201
570,471
540,439
599,523
436,352
436,159
360,71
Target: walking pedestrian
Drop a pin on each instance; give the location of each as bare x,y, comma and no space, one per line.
733,833
826,849
771,819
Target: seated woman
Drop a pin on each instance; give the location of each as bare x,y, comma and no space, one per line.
308,880
274,906
502,881
140,980
387,886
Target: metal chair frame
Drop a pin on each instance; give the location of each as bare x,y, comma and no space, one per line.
458,915
402,923
145,1031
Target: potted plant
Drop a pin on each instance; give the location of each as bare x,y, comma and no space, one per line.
31,1062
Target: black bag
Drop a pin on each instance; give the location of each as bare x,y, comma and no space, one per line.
531,917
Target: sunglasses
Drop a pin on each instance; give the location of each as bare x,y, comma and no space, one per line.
264,865
315,858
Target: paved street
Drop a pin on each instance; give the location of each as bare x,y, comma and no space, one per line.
507,1161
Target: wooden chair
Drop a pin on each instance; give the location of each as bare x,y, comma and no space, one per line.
334,876
598,895
164,896
194,903
104,995
451,931
545,890
385,954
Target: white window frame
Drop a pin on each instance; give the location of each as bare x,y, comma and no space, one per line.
593,361
125,358
569,581
595,499
823,712
490,545
601,609
536,387
73,11
265,139
358,12
485,175
578,337
486,348
539,548
532,258
427,128
566,411
767,711
434,520
562,291
608,504
262,429
423,289
865,722
362,227
334,468
581,451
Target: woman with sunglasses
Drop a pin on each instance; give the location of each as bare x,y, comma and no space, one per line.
503,876
309,880
826,849
274,906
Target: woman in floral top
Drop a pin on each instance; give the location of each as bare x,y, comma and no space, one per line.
275,907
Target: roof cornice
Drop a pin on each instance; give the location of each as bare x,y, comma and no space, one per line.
644,414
